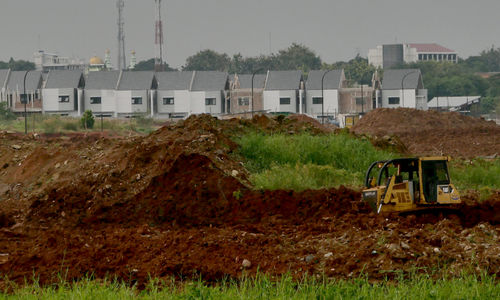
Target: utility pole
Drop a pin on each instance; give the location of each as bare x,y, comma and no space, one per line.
122,62
158,38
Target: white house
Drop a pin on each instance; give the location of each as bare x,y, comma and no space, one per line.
404,88
174,94
15,87
208,92
135,93
100,92
332,83
63,92
284,92
4,75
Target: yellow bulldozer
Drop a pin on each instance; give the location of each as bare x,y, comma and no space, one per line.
410,184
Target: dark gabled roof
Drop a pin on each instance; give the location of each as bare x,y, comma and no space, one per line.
137,80
283,80
209,81
60,79
393,79
102,80
3,77
16,81
245,80
174,81
332,81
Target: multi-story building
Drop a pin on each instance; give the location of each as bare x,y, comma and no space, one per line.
46,62
388,56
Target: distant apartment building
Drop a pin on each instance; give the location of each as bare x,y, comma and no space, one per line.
388,56
46,62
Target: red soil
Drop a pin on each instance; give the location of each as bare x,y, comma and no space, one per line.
434,133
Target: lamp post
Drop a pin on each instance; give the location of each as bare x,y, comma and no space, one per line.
362,100
323,96
253,75
24,99
402,89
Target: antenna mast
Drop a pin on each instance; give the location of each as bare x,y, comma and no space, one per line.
158,37
120,4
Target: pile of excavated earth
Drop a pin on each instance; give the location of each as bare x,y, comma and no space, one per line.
178,203
432,132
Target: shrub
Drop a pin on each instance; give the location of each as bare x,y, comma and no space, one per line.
88,120
5,113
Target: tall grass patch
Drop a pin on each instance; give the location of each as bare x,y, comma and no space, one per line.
305,160
261,287
301,177
477,174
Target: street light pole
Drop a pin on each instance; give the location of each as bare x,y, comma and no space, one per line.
323,96
24,99
362,100
253,75
402,89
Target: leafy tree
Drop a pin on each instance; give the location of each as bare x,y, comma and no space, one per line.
208,60
87,120
297,57
149,65
17,65
21,65
357,70
487,61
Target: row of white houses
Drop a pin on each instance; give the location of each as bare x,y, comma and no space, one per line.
179,94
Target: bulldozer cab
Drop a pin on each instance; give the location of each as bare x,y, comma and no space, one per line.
434,174
409,183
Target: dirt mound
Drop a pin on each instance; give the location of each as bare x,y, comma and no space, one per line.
290,124
433,133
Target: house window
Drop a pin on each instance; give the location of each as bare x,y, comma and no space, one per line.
285,101
317,100
95,100
209,101
393,100
168,101
360,101
136,100
63,98
243,101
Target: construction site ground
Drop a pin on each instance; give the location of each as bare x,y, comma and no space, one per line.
178,203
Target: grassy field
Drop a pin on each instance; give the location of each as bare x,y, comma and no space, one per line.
420,287
55,124
305,161
480,175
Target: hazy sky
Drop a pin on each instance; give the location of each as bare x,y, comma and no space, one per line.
334,29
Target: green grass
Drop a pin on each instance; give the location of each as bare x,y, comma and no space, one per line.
55,124
478,174
305,161
420,287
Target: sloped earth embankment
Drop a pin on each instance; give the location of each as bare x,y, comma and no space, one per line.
433,133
